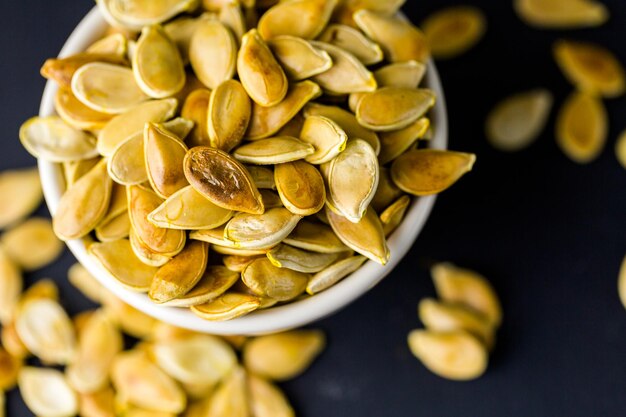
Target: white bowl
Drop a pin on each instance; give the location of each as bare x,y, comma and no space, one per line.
274,319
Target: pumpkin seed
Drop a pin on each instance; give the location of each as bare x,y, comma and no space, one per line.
267,400
620,149
301,187
392,108
227,307
229,114
365,237
213,53
53,140
393,144
82,280
61,70
142,202
215,282
462,286
455,355
84,205
387,191
347,75
118,259
132,321
100,341
285,256
518,120
211,171
11,284
408,74
271,199
107,88
454,30
283,356
231,397
164,154
334,273
272,151
561,14
259,72
299,58
582,127
301,18
353,41
126,125
266,121
157,65
315,237
113,44
135,14
232,17
75,170
326,136
196,108
237,263
180,31
427,171
143,384
32,244
399,39
590,67
76,114
345,11
266,280
394,214
212,236
213,359
177,277
26,184
9,369
260,231
263,177
12,343
46,392
46,330
179,127
116,228
97,404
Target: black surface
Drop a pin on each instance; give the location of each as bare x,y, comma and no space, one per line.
548,233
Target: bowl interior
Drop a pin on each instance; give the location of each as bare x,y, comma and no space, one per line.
275,319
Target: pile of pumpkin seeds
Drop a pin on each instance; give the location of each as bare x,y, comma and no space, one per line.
460,329
228,156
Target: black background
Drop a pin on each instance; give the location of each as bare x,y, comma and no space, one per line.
549,234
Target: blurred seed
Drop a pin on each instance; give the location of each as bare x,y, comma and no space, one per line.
32,244
135,14
227,307
400,40
86,283
408,74
211,171
11,284
353,41
518,120
118,259
157,65
591,68
334,273
62,70
345,11
395,143
114,44
283,356
285,256
301,18
229,114
326,136
76,114
452,31
259,72
51,139
365,237
315,237
231,397
427,171
301,187
177,277
164,154
582,127
620,149
46,331
44,288
394,214
196,108
97,404
12,342
621,283
299,58
9,369
266,121
215,282
46,393
455,355
132,321
267,400
126,125
24,182
213,53
347,75
392,108
84,205
276,150
260,231
462,286
231,15
99,342
561,14
141,383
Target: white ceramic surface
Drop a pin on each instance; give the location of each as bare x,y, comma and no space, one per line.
266,321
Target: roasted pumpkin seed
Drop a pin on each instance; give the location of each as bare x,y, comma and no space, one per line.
213,53
394,214
26,184
266,280
62,70
301,18
144,253
164,154
561,14
113,44
180,31
231,15
455,355
263,177
354,42
267,400
211,171
334,273
237,263
407,74
315,237
454,30
299,58
127,165
75,170
271,199
395,143
326,136
301,187
229,114
277,150
135,14
227,307
392,108
345,10
582,127
196,108
47,393
285,256
32,244
215,282
76,114
11,284
428,171
260,231
51,139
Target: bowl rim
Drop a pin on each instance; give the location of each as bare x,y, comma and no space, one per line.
280,318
